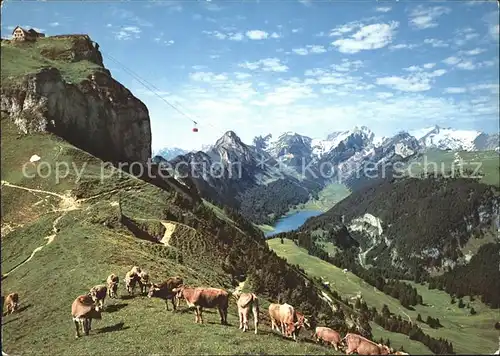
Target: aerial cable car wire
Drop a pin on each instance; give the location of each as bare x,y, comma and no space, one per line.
153,89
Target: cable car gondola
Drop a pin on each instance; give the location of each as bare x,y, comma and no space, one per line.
195,129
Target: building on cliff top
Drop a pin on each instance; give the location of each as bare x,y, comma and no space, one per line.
20,34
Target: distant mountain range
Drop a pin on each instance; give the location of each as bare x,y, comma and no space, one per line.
265,179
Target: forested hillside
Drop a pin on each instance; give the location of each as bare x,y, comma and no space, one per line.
414,228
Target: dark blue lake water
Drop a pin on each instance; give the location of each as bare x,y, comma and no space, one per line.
292,221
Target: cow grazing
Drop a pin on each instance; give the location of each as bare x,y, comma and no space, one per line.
205,298
131,279
136,270
98,294
247,301
328,335
363,346
11,303
83,310
112,283
285,316
300,320
143,281
165,290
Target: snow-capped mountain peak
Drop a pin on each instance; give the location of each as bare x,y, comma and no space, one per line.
447,138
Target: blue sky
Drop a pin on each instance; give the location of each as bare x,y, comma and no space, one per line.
311,67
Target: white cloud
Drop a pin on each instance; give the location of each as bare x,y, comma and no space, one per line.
474,52
369,37
238,36
347,66
384,95
257,35
451,60
286,95
266,65
232,36
455,90
54,24
309,49
241,75
429,65
296,30
342,30
403,46
300,51
494,31
275,35
207,77
425,17
383,9
128,33
467,65
436,43
415,82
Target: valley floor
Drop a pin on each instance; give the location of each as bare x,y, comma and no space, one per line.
470,334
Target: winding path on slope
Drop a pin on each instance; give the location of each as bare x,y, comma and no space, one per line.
68,203
49,238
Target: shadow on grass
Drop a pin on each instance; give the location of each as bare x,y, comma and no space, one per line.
116,327
4,314
9,321
127,297
115,307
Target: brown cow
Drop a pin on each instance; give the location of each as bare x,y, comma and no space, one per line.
98,294
247,301
131,279
12,303
322,333
284,315
143,281
300,320
165,290
363,346
205,298
112,283
83,310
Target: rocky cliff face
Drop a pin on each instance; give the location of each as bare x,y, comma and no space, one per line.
98,114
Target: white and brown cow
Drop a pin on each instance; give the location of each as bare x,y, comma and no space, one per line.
330,336
247,301
363,346
131,279
165,291
11,303
283,315
205,298
143,281
112,283
98,294
83,310
136,270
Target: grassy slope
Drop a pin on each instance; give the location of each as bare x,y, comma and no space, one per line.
84,251
488,161
327,197
20,58
481,336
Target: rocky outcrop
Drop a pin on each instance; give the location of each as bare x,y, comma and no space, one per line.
98,114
